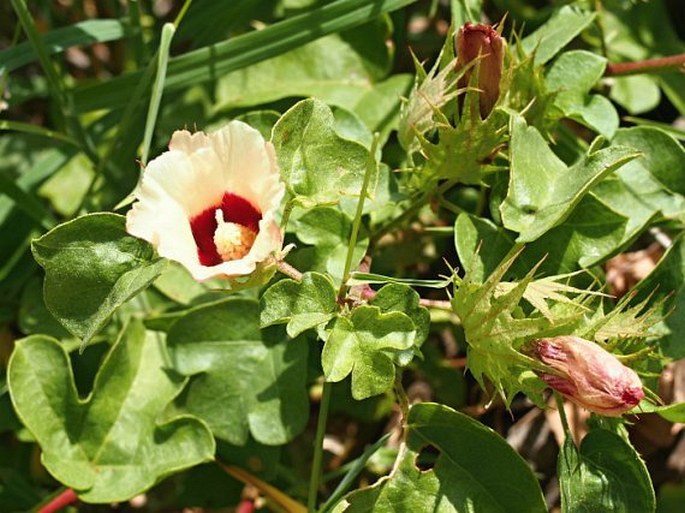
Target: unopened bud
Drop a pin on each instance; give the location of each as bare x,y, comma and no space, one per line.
484,43
588,375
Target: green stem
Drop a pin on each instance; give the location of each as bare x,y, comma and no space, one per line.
57,88
287,210
182,13
318,447
288,270
599,9
562,413
138,41
402,398
371,167
157,88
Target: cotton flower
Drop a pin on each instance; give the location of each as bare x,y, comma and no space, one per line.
484,43
209,202
588,375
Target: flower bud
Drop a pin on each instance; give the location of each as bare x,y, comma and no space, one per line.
588,375
484,43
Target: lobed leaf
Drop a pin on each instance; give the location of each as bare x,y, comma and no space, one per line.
112,445
243,380
317,165
301,305
363,344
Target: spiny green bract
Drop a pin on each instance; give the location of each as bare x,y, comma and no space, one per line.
497,324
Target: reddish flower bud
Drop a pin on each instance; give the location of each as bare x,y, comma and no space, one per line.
484,43
588,375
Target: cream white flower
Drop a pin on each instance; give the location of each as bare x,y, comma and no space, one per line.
209,202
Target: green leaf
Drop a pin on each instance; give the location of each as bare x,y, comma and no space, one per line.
572,75
673,131
379,108
542,190
481,245
330,69
112,445
360,278
302,305
452,463
661,155
396,297
591,234
605,474
58,40
328,230
634,191
466,10
563,26
92,267
665,285
672,412
205,64
363,344
243,380
637,93
316,163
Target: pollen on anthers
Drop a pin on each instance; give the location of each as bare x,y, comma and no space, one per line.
232,240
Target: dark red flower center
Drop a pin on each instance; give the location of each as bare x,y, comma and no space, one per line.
235,210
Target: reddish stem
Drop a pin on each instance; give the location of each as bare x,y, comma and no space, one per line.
636,67
245,507
63,500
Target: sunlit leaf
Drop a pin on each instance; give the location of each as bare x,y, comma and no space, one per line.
604,474
92,266
302,305
112,445
452,463
243,380
363,344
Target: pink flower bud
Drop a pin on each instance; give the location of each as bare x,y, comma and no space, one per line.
484,43
588,375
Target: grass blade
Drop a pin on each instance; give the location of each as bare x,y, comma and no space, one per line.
58,40
210,62
158,87
57,88
28,128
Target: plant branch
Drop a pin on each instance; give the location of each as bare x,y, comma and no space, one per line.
440,304
318,447
288,270
658,64
60,501
402,398
371,166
